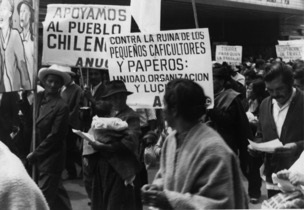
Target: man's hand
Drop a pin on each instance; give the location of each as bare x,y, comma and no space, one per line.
284,174
296,178
152,196
30,158
101,146
287,149
253,152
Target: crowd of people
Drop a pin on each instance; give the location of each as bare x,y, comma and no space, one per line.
204,154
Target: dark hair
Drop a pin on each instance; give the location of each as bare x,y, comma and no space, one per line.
299,75
279,69
259,89
250,73
260,63
222,71
298,64
103,108
187,97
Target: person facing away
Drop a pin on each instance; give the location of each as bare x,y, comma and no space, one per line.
52,115
18,190
280,117
197,168
228,116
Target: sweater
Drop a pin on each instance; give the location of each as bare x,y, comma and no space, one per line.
18,191
203,174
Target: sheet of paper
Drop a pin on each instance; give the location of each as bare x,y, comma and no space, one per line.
298,166
269,146
86,136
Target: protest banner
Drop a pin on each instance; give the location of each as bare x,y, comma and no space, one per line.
18,62
147,62
291,42
74,34
290,52
230,54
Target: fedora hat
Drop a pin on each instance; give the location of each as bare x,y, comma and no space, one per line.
62,71
114,87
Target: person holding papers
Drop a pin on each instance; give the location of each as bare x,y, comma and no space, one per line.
282,118
291,183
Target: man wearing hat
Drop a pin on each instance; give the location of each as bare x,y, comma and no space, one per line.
52,115
228,116
111,190
26,20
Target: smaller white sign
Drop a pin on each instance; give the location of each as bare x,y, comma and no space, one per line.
230,54
290,52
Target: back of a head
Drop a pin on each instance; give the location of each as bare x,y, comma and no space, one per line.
298,64
259,88
187,97
279,69
259,64
250,73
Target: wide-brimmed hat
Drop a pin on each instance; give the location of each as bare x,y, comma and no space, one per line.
29,3
114,87
62,71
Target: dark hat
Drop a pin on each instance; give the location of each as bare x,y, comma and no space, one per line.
114,87
221,72
29,3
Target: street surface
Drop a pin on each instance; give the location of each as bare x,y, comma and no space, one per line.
80,200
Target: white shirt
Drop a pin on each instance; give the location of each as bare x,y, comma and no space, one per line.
279,113
145,115
93,91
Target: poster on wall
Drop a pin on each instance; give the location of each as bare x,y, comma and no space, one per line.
230,54
17,49
74,35
147,62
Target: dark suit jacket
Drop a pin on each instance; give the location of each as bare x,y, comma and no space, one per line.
72,95
51,131
8,117
99,92
292,131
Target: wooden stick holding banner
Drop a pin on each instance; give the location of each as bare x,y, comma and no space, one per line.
81,81
88,82
195,14
33,145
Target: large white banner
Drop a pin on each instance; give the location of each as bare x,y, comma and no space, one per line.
74,35
147,62
230,54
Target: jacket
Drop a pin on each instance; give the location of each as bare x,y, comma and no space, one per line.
292,131
51,130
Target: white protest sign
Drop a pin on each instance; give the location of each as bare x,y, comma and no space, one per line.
291,42
147,62
74,34
230,54
290,52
